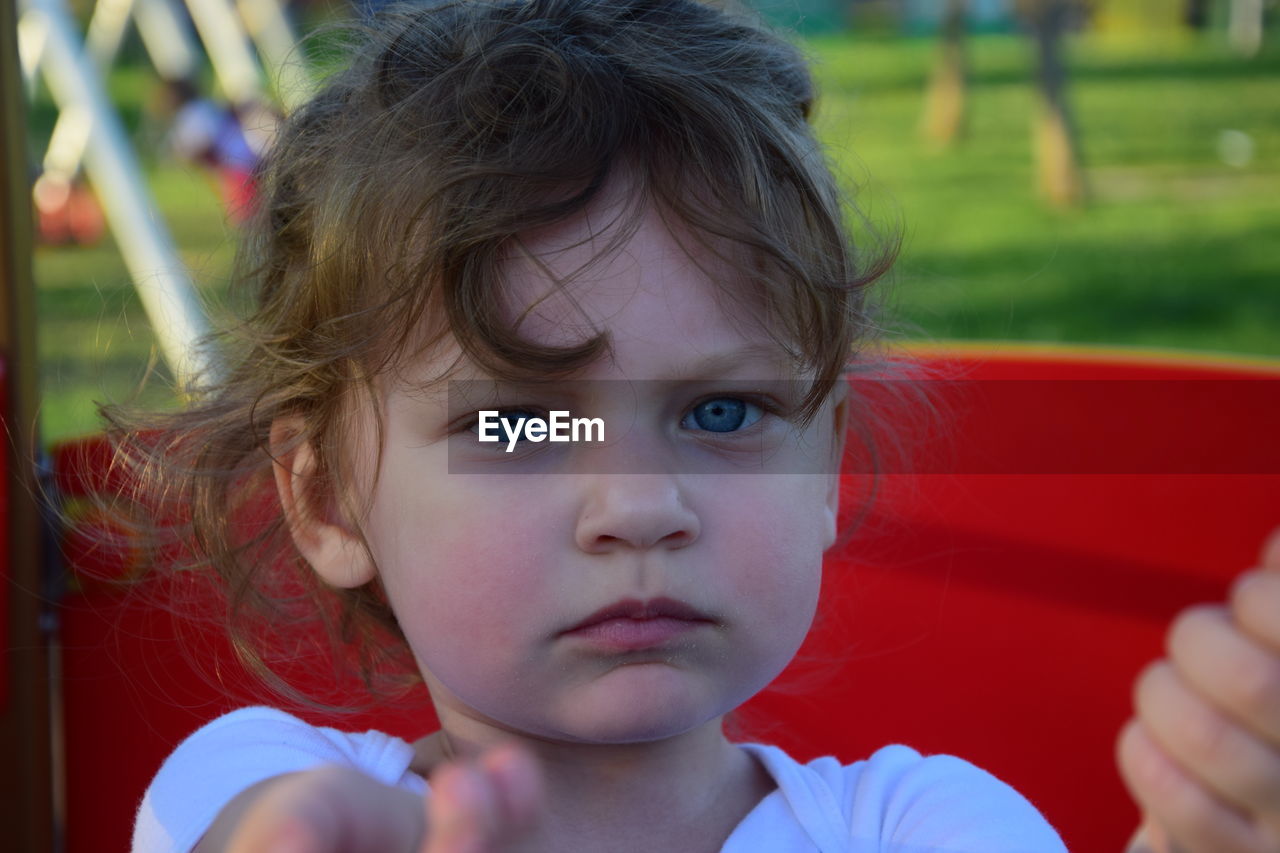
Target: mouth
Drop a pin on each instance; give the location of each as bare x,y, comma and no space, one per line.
632,624
636,610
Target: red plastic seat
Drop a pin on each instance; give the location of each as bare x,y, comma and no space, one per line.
1001,617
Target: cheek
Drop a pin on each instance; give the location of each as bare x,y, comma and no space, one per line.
456,563
777,536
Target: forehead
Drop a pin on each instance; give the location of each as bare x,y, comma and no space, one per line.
662,295
667,302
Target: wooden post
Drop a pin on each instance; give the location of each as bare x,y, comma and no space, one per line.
1244,26
26,786
1059,176
945,110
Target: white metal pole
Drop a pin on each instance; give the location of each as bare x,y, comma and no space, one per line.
228,48
163,283
71,129
31,39
106,30
170,52
278,47
167,39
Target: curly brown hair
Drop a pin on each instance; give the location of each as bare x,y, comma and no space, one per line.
386,207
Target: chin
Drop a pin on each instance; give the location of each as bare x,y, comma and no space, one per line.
640,707
633,730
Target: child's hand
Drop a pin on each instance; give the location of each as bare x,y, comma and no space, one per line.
478,807
1202,757
473,807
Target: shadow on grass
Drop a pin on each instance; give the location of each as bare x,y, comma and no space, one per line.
1093,290
1008,60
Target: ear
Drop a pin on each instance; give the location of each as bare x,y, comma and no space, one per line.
840,425
332,549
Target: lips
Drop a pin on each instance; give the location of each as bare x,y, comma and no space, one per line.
631,608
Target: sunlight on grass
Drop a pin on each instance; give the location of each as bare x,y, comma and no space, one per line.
1176,249
1173,249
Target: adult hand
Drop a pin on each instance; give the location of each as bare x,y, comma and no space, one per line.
1202,755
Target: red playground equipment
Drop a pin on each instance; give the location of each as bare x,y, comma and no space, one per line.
996,606
1019,564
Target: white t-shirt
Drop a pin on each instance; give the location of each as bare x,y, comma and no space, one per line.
896,801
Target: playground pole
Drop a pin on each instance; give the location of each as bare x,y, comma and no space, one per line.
167,43
278,45
107,24
28,776
225,42
166,38
161,278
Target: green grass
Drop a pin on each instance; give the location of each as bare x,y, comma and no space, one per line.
1175,249
94,340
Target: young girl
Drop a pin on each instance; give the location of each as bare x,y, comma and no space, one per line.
613,209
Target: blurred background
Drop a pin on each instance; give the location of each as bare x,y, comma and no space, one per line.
1104,172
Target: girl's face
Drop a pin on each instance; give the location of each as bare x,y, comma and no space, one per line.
698,495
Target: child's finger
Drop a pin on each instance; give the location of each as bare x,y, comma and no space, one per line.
287,834
1271,551
295,836
519,784
1150,838
1214,750
1195,820
325,810
1255,603
1229,669
463,811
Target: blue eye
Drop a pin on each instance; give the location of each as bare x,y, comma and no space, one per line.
722,414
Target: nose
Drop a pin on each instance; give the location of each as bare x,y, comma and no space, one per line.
637,511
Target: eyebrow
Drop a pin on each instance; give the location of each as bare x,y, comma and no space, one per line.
696,368
488,392
710,366
730,360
